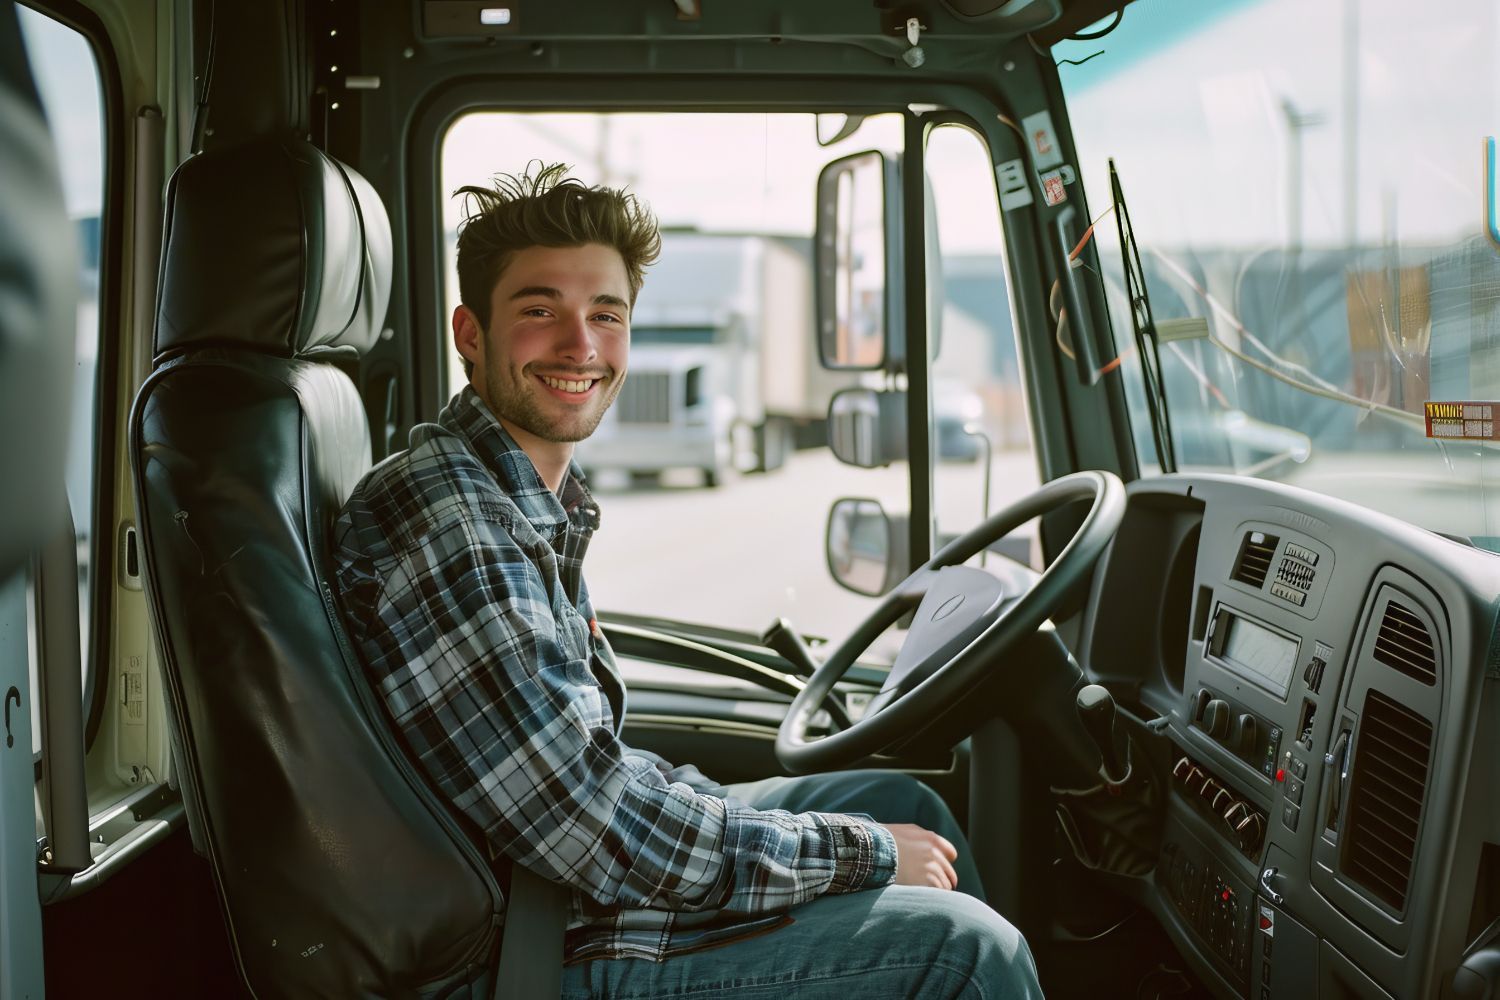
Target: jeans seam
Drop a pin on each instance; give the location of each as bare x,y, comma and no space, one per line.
702,991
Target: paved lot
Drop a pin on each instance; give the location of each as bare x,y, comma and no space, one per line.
751,550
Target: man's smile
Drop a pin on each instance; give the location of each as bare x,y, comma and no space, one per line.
573,389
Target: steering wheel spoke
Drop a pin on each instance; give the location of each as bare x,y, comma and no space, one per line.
887,696
966,619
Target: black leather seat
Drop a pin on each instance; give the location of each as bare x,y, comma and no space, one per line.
340,873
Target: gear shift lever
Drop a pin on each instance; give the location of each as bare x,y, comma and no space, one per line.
1096,709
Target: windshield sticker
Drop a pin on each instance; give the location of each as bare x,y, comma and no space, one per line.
1043,140
1052,188
1462,421
1014,191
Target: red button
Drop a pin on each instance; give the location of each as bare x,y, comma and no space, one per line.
1280,774
1226,895
1265,923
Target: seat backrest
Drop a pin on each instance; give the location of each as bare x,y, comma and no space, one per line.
340,873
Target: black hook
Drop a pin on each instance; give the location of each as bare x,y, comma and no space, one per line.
13,694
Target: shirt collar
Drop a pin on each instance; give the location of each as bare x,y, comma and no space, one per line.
468,416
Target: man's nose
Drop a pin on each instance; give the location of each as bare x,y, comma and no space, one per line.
575,340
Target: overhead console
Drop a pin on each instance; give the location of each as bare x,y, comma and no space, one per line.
1319,724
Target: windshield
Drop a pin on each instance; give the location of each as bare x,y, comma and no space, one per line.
1306,190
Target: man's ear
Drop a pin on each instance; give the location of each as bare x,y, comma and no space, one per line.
468,338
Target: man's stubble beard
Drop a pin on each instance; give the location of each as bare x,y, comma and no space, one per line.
514,400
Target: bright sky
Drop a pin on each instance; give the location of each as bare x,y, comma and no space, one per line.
1201,133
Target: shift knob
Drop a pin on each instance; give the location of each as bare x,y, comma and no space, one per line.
1096,709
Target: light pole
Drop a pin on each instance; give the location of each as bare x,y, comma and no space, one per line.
1296,121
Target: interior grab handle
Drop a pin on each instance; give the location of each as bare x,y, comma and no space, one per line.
1338,757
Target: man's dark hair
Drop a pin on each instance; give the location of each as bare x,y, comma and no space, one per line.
546,209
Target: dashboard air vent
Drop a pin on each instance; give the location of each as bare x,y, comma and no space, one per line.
1385,807
1404,643
1255,558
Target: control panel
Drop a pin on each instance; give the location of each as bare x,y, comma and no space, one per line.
1239,730
1240,822
1213,903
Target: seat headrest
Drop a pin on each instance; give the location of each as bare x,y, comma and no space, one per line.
272,245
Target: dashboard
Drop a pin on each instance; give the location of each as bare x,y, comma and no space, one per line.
1312,682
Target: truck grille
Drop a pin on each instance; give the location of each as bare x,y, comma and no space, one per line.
645,398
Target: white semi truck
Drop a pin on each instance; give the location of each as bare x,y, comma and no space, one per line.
724,373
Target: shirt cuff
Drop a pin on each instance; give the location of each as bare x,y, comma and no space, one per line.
864,854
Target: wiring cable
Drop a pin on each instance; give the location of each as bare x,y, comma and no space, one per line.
1287,372
200,109
1090,36
1312,384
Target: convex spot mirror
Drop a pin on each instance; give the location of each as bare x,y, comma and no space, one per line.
865,546
836,126
866,428
855,203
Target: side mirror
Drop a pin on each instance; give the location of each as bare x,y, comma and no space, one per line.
867,429
856,206
866,548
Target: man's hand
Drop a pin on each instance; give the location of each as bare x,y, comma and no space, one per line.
923,857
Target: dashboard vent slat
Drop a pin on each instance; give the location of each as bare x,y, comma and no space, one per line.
1254,560
1385,809
1403,643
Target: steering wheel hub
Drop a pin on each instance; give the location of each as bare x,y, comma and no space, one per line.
965,621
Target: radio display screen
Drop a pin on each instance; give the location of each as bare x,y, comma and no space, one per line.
1259,655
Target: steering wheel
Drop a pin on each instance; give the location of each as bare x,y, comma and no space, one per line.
966,620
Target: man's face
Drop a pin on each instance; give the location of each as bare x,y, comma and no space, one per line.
554,356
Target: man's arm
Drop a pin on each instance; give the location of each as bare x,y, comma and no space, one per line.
685,774
511,728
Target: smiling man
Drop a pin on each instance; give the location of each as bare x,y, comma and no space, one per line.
460,568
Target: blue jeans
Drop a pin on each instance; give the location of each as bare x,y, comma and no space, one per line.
895,943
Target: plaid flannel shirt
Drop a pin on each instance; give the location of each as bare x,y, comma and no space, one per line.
461,580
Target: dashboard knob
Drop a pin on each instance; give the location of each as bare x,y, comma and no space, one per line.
1234,813
1245,731
1216,718
1195,779
1210,789
1180,771
1247,832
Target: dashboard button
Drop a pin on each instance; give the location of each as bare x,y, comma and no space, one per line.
1248,831
1289,814
1299,768
1294,791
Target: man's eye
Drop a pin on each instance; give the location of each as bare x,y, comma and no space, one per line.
534,311
608,317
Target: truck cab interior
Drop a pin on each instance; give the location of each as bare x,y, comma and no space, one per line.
1093,417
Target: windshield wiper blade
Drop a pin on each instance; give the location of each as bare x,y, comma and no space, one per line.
1146,341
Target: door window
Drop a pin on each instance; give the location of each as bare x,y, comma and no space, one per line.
67,78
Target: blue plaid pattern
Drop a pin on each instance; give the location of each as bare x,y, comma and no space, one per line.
461,580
